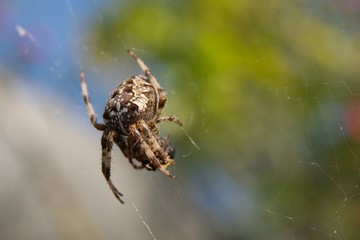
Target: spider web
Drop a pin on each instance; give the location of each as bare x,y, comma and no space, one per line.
287,168
328,153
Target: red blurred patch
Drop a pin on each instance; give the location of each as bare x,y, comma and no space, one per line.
351,117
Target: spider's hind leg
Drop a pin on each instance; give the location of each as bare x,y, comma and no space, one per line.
106,143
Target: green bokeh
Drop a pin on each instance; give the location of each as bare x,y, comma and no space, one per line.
261,88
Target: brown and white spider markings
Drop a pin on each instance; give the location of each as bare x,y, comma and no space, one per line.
130,119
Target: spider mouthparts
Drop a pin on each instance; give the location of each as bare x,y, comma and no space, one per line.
167,164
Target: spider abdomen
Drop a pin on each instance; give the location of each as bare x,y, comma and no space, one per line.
131,101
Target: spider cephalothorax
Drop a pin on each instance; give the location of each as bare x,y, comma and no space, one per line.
130,118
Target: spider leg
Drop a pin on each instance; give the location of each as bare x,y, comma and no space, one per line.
89,107
149,153
130,148
146,70
140,158
106,143
154,141
178,122
128,151
169,119
159,91
121,143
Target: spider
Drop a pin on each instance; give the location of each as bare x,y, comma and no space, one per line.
130,121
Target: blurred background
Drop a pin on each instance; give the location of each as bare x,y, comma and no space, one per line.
269,91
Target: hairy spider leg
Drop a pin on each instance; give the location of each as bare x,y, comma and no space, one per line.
131,144
149,136
169,119
121,143
146,70
158,89
147,150
178,122
89,107
153,142
107,143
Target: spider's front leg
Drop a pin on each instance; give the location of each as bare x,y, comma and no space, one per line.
106,143
149,154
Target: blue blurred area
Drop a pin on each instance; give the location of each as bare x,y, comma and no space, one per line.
222,197
42,42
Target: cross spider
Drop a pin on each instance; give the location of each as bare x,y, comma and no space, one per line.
130,119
